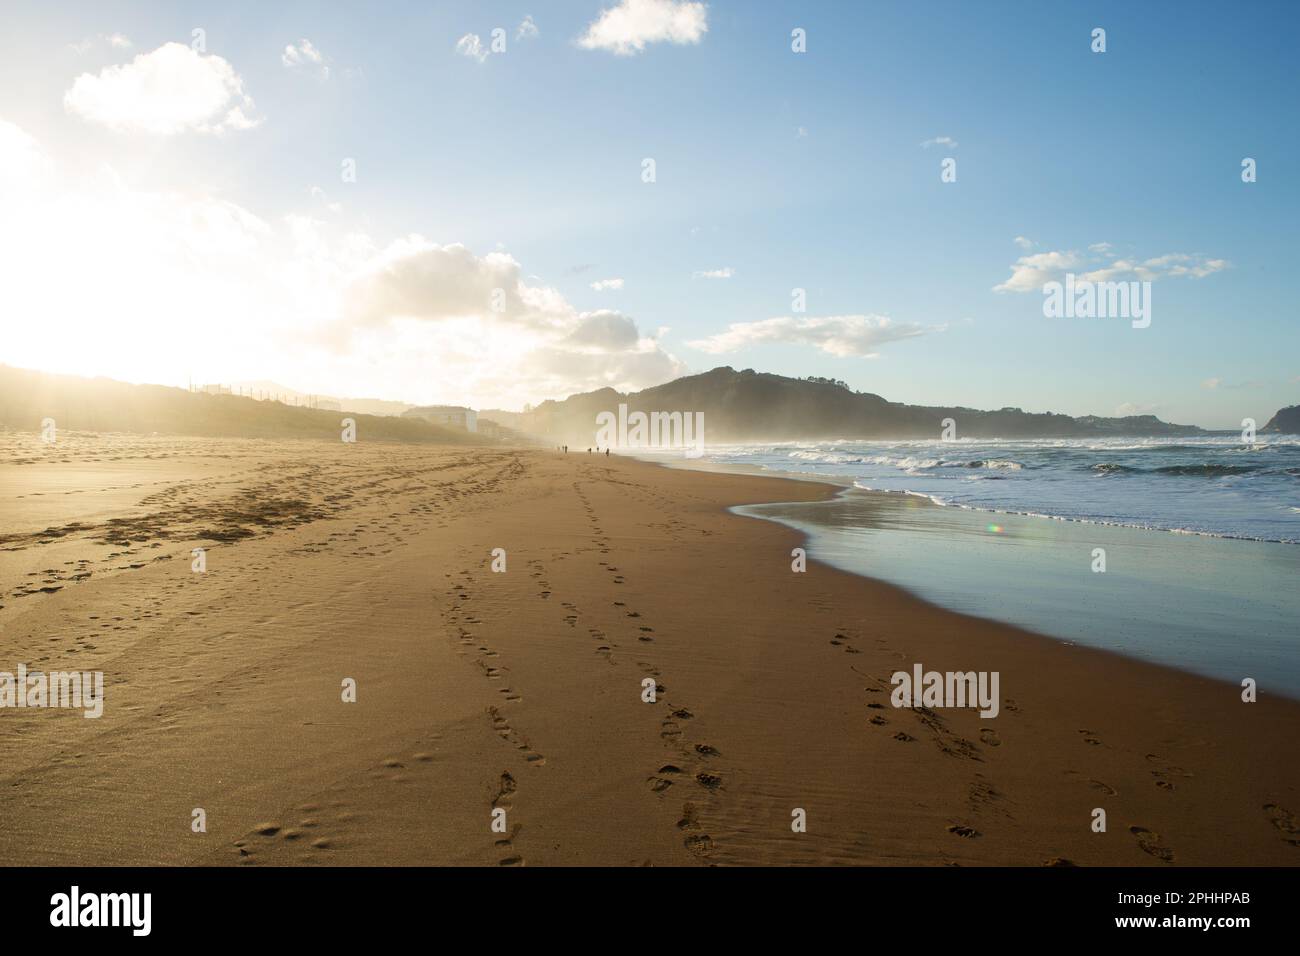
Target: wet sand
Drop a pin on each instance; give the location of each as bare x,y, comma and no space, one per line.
522,691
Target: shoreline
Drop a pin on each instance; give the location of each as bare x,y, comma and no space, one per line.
521,691
1144,625
849,483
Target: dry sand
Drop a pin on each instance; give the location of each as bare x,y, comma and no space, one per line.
522,690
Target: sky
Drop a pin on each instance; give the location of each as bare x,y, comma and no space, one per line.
496,203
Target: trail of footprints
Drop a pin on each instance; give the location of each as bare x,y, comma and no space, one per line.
457,616
689,763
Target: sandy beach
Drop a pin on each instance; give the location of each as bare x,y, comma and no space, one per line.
522,691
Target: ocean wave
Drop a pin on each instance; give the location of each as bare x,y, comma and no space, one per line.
1114,468
830,458
989,463
1136,525
1224,489
1202,470
1205,470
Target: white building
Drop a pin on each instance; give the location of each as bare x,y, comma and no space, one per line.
451,416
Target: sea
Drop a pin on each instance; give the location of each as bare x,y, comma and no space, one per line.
1184,552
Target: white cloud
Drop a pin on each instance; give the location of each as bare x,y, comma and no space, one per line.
1212,383
527,29
603,331
625,29
169,91
1181,264
527,340
471,45
306,58
1024,243
320,194
840,335
20,156
600,285
414,278
724,273
115,40
940,141
144,285
1030,273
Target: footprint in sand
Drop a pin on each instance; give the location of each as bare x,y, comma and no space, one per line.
700,844
507,843
505,788
990,737
1149,842
662,779
1164,771
1285,821
709,781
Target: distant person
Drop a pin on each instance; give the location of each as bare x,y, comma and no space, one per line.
606,452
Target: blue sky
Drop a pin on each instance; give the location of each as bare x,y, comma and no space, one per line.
781,170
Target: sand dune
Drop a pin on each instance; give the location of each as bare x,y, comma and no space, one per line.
522,691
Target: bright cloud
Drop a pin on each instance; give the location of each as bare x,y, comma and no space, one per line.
323,197
305,57
1031,272
600,285
471,45
527,29
841,335
170,285
627,28
115,40
170,90
940,141
525,340
20,156
724,273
